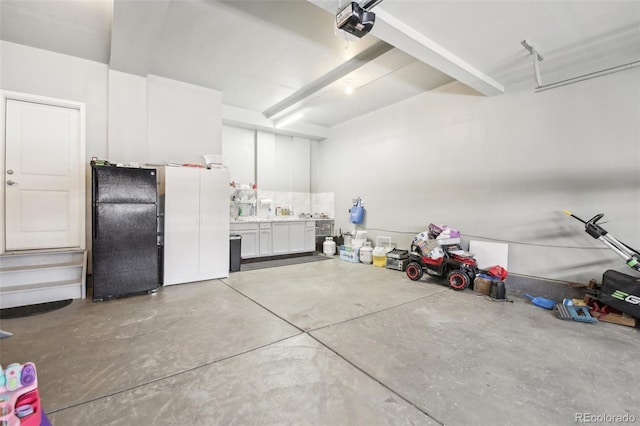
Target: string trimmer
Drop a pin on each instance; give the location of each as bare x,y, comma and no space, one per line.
618,290
591,227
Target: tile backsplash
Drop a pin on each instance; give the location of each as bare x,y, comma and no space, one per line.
298,202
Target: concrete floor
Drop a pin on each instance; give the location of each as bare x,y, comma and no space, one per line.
325,343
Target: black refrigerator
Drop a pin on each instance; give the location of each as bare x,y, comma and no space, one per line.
125,231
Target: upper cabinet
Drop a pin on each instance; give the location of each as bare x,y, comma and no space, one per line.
239,153
283,163
275,162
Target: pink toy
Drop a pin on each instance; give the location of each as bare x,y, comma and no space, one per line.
19,397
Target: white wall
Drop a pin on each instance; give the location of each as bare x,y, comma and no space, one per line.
127,118
239,153
500,168
40,72
185,121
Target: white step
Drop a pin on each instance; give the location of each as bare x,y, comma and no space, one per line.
40,258
40,293
40,277
25,275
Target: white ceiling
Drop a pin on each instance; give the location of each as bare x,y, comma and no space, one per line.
262,53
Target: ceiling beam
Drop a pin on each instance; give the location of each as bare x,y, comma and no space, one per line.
407,39
253,120
335,74
400,35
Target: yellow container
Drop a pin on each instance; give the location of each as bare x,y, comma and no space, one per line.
380,261
383,245
379,256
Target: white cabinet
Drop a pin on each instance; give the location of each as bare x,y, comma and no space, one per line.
250,243
260,239
265,239
280,238
196,224
296,237
292,237
310,236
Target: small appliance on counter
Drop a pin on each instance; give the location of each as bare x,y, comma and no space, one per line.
397,259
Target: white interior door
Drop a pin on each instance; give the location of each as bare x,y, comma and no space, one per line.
44,186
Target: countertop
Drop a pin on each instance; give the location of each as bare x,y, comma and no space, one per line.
253,219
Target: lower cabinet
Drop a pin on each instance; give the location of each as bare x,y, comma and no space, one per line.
250,242
275,238
293,237
296,237
280,238
310,236
265,239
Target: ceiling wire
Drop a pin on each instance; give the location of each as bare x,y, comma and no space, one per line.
541,88
347,43
588,76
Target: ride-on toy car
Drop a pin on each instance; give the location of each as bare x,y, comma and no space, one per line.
458,266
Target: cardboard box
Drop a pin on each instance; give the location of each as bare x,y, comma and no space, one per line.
622,319
350,254
447,241
482,285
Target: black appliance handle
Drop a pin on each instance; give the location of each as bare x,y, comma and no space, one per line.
94,222
94,198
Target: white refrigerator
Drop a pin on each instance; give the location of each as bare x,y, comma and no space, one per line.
194,217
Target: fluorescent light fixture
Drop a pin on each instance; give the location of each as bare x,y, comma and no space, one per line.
289,120
348,88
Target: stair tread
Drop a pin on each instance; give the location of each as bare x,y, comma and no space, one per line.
37,286
40,252
75,264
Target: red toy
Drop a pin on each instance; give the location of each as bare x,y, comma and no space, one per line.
438,253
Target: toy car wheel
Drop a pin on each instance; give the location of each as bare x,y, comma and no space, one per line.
414,271
472,276
458,280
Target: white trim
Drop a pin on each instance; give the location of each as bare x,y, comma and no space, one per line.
6,95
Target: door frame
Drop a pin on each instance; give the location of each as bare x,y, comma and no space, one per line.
6,95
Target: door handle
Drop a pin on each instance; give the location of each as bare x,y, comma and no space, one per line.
11,182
